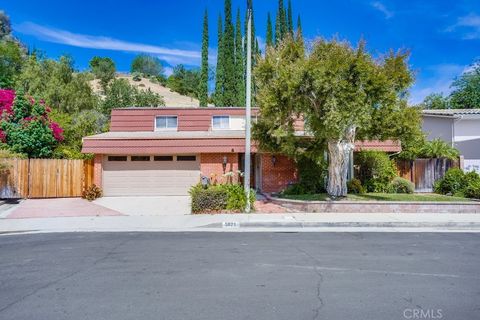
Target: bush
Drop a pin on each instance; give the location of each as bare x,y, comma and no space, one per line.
93,192
311,175
472,190
453,182
220,197
375,170
355,186
294,189
401,185
136,76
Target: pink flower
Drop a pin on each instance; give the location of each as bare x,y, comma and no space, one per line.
6,101
57,131
3,136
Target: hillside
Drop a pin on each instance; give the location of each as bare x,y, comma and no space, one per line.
172,99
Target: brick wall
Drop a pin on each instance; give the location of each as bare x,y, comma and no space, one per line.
97,170
211,166
277,177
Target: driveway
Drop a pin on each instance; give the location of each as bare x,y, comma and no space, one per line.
147,206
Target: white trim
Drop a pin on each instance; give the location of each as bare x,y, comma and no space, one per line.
164,129
220,129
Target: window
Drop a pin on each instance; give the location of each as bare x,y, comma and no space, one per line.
140,158
221,122
117,158
166,123
163,158
186,158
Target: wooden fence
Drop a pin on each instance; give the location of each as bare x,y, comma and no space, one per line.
45,178
424,172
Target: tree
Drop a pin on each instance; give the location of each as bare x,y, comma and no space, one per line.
5,26
184,81
289,18
219,72
203,85
338,90
11,62
27,128
239,65
279,23
299,27
57,82
466,89
435,101
269,31
103,69
228,44
147,65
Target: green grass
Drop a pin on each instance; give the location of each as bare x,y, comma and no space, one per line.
379,197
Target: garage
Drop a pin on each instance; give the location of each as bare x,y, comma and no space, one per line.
149,175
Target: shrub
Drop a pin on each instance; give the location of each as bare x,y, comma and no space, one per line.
401,185
438,149
136,76
294,189
355,186
375,170
93,192
219,197
453,182
472,190
311,175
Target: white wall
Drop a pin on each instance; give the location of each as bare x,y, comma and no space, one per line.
438,128
467,137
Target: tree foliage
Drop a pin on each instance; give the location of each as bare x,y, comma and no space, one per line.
269,37
5,25
435,101
203,84
11,62
239,65
219,72
466,89
185,81
147,65
228,43
339,90
103,68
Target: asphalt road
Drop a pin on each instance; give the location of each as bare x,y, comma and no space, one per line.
240,276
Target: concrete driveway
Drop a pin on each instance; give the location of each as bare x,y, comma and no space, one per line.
147,206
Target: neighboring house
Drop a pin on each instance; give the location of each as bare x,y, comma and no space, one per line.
164,151
458,127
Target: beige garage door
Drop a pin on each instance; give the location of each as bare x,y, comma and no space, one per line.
149,175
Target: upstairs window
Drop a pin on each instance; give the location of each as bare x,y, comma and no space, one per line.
221,122
166,123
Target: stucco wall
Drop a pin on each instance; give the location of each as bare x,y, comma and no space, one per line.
467,137
436,128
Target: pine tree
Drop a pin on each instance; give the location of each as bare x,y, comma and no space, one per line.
219,74
299,28
203,86
279,23
289,18
269,31
239,64
229,57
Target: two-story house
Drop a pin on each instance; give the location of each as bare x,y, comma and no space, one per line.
164,151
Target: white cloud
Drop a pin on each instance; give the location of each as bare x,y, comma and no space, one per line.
439,81
383,9
468,26
170,55
168,71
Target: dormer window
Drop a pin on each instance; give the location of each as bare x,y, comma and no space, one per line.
221,122
166,123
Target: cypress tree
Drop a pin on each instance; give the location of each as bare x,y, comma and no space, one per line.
203,86
279,23
299,28
219,74
239,64
255,49
269,31
289,18
229,57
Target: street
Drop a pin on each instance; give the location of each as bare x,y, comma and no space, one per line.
116,276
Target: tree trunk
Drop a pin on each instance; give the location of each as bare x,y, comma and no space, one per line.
338,163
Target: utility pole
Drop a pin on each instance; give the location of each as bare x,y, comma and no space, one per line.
248,117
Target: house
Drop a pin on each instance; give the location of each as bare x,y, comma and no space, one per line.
164,151
458,127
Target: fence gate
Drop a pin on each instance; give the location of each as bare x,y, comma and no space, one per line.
424,172
46,178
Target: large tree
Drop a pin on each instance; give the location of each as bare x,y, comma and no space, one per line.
11,62
339,90
228,49
290,18
203,85
219,72
239,64
269,37
103,69
147,66
466,89
5,26
280,26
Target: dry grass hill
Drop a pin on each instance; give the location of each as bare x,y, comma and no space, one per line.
172,99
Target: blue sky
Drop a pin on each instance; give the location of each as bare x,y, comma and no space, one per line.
442,35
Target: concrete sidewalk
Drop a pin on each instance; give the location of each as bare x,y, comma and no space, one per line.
287,222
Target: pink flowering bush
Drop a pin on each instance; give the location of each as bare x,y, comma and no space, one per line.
25,125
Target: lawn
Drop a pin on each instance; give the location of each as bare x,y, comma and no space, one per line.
379,197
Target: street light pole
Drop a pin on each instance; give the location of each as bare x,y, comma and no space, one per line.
248,111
